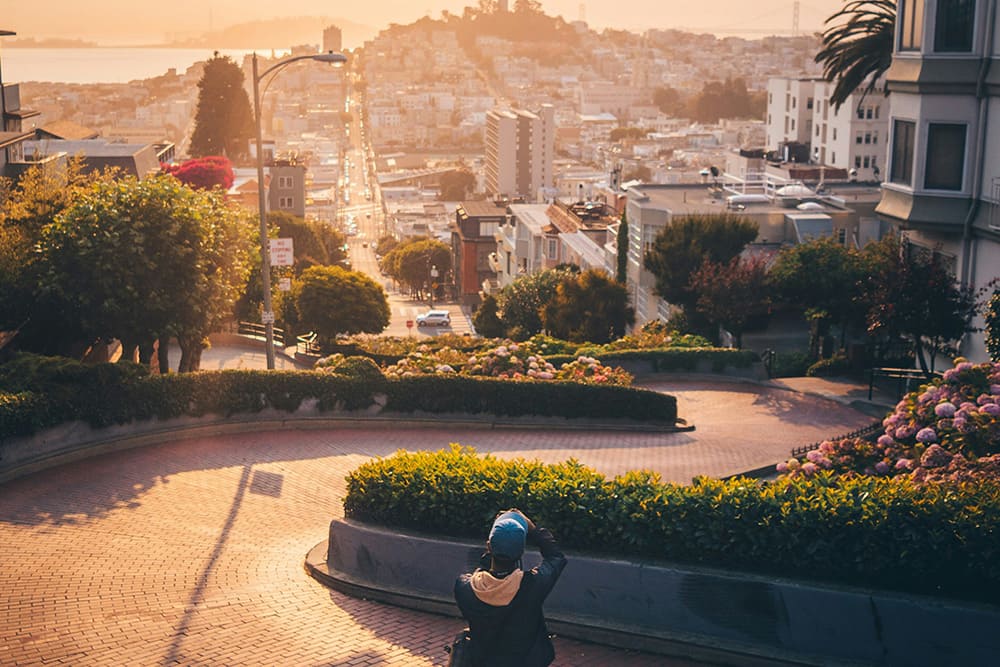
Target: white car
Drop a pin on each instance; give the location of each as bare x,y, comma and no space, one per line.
432,318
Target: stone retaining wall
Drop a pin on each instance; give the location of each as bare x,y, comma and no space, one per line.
727,617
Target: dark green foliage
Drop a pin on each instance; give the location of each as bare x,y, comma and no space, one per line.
621,268
315,243
456,185
885,533
458,394
588,307
832,366
667,360
686,243
38,392
993,327
790,364
360,367
331,300
223,119
486,321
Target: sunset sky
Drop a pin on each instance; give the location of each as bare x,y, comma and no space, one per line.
144,21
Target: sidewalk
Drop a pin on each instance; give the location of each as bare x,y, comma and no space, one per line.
846,391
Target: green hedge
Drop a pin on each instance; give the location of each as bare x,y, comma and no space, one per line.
673,360
878,532
474,395
36,393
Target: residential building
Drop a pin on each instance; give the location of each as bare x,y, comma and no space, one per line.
332,39
472,242
13,132
943,183
519,151
786,212
287,187
803,126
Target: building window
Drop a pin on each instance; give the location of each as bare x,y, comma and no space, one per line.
809,103
859,137
903,132
911,24
286,203
877,107
842,236
945,156
857,161
552,249
953,25
874,137
833,157
793,124
867,159
834,134
868,113
868,137
861,113
285,182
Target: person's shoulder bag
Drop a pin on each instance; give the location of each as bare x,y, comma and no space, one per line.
460,650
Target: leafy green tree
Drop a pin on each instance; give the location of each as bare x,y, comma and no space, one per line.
588,307
913,296
385,245
42,192
486,321
456,185
411,263
993,327
733,294
331,300
722,99
139,260
620,133
621,273
223,122
522,301
669,101
823,278
857,46
314,243
686,243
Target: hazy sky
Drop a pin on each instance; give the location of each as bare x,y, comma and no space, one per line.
137,21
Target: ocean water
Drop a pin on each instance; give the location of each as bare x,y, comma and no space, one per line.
105,64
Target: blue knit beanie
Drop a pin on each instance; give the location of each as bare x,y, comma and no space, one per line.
508,535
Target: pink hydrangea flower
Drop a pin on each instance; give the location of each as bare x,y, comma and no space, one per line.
945,409
926,435
992,409
809,468
904,464
882,467
886,441
782,467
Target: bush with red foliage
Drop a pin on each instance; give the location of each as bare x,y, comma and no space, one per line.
203,173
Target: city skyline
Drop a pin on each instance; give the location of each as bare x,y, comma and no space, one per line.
115,22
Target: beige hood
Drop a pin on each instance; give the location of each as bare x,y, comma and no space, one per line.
493,591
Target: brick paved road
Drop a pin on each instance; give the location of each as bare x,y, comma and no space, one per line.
191,552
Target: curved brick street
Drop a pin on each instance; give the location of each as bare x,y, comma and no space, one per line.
191,552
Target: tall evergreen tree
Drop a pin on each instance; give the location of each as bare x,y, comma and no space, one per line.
621,275
223,119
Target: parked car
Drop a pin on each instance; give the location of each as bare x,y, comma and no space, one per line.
440,318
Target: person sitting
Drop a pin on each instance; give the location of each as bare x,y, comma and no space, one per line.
503,603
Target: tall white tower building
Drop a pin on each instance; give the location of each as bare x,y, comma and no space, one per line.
519,150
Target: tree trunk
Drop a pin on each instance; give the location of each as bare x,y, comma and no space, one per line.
163,354
191,347
146,352
129,349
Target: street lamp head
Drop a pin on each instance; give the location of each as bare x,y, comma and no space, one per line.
330,57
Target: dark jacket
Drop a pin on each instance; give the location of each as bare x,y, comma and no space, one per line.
512,634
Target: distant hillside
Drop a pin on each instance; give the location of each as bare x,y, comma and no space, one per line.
278,33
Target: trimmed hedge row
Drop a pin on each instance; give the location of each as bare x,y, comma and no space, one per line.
53,392
884,533
667,360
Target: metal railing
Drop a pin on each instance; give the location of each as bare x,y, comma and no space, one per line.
906,379
306,344
256,330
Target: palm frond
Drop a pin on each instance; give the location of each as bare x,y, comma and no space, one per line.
857,47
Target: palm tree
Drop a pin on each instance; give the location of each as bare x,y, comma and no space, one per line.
858,46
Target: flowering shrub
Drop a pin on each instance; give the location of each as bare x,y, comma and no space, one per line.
513,361
948,429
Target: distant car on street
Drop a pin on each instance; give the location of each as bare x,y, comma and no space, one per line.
440,318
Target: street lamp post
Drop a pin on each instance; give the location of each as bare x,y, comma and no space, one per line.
265,251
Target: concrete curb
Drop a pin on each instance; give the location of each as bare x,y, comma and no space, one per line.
711,615
74,441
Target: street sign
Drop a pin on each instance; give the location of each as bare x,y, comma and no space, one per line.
281,252
267,317
285,284
409,324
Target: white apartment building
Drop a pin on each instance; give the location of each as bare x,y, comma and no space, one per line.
852,137
520,146
943,182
